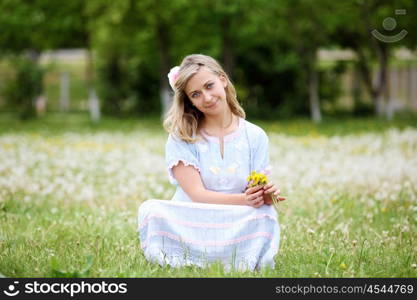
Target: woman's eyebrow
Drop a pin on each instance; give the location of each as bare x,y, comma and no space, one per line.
203,85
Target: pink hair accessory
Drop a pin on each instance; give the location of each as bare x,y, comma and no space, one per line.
173,75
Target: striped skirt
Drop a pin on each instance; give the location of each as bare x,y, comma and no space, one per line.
180,233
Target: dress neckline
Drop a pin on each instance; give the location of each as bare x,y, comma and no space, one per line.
228,136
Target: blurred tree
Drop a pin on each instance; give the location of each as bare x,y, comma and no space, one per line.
163,24
269,48
223,20
309,25
29,27
22,91
133,42
110,42
282,43
354,31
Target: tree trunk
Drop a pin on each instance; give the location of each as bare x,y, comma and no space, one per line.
356,87
376,94
379,89
413,97
93,101
313,89
408,85
227,47
382,82
93,105
165,66
64,91
392,93
40,105
31,77
376,85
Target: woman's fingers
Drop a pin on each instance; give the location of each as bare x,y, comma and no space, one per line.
253,189
258,202
257,195
273,190
279,198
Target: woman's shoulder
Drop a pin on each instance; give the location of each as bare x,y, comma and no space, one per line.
175,143
255,130
174,138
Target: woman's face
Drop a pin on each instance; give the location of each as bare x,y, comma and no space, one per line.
206,91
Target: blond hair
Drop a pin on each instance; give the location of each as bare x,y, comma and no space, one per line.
183,119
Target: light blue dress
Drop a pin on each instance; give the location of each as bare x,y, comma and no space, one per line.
182,233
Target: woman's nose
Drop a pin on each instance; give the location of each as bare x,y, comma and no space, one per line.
206,95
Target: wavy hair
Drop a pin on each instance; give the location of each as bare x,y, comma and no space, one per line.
183,119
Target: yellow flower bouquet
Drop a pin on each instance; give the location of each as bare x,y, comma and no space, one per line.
255,179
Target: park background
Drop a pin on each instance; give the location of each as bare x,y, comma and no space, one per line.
83,90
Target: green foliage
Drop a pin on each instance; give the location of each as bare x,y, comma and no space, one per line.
267,47
20,92
329,91
31,27
40,25
85,272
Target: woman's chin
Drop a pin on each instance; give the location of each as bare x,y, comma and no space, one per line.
216,109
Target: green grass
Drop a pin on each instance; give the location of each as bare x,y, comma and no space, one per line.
343,230
338,125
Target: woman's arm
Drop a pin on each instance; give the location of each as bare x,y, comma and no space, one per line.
190,181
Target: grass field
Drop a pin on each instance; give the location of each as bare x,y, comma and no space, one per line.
70,190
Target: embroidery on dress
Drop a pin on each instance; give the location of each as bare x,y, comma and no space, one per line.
232,168
215,170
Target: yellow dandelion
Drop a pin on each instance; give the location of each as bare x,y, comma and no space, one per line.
343,266
257,179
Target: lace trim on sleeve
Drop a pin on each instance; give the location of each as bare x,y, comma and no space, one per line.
175,163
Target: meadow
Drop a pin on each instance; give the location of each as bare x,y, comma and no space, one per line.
70,191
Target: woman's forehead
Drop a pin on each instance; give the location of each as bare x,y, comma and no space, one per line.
199,79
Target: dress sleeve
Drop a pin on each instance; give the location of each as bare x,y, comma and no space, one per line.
261,153
177,150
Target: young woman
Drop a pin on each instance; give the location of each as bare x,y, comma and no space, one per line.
210,151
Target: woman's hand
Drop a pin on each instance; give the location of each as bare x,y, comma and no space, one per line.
254,196
270,188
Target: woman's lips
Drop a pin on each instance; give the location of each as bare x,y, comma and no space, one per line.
213,105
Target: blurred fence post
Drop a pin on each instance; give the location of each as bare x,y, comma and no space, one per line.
412,87
93,105
391,92
356,86
40,105
409,85
313,87
64,92
166,101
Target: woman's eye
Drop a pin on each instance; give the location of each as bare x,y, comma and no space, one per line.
193,95
210,85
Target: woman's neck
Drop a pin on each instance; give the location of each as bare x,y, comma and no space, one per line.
219,124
